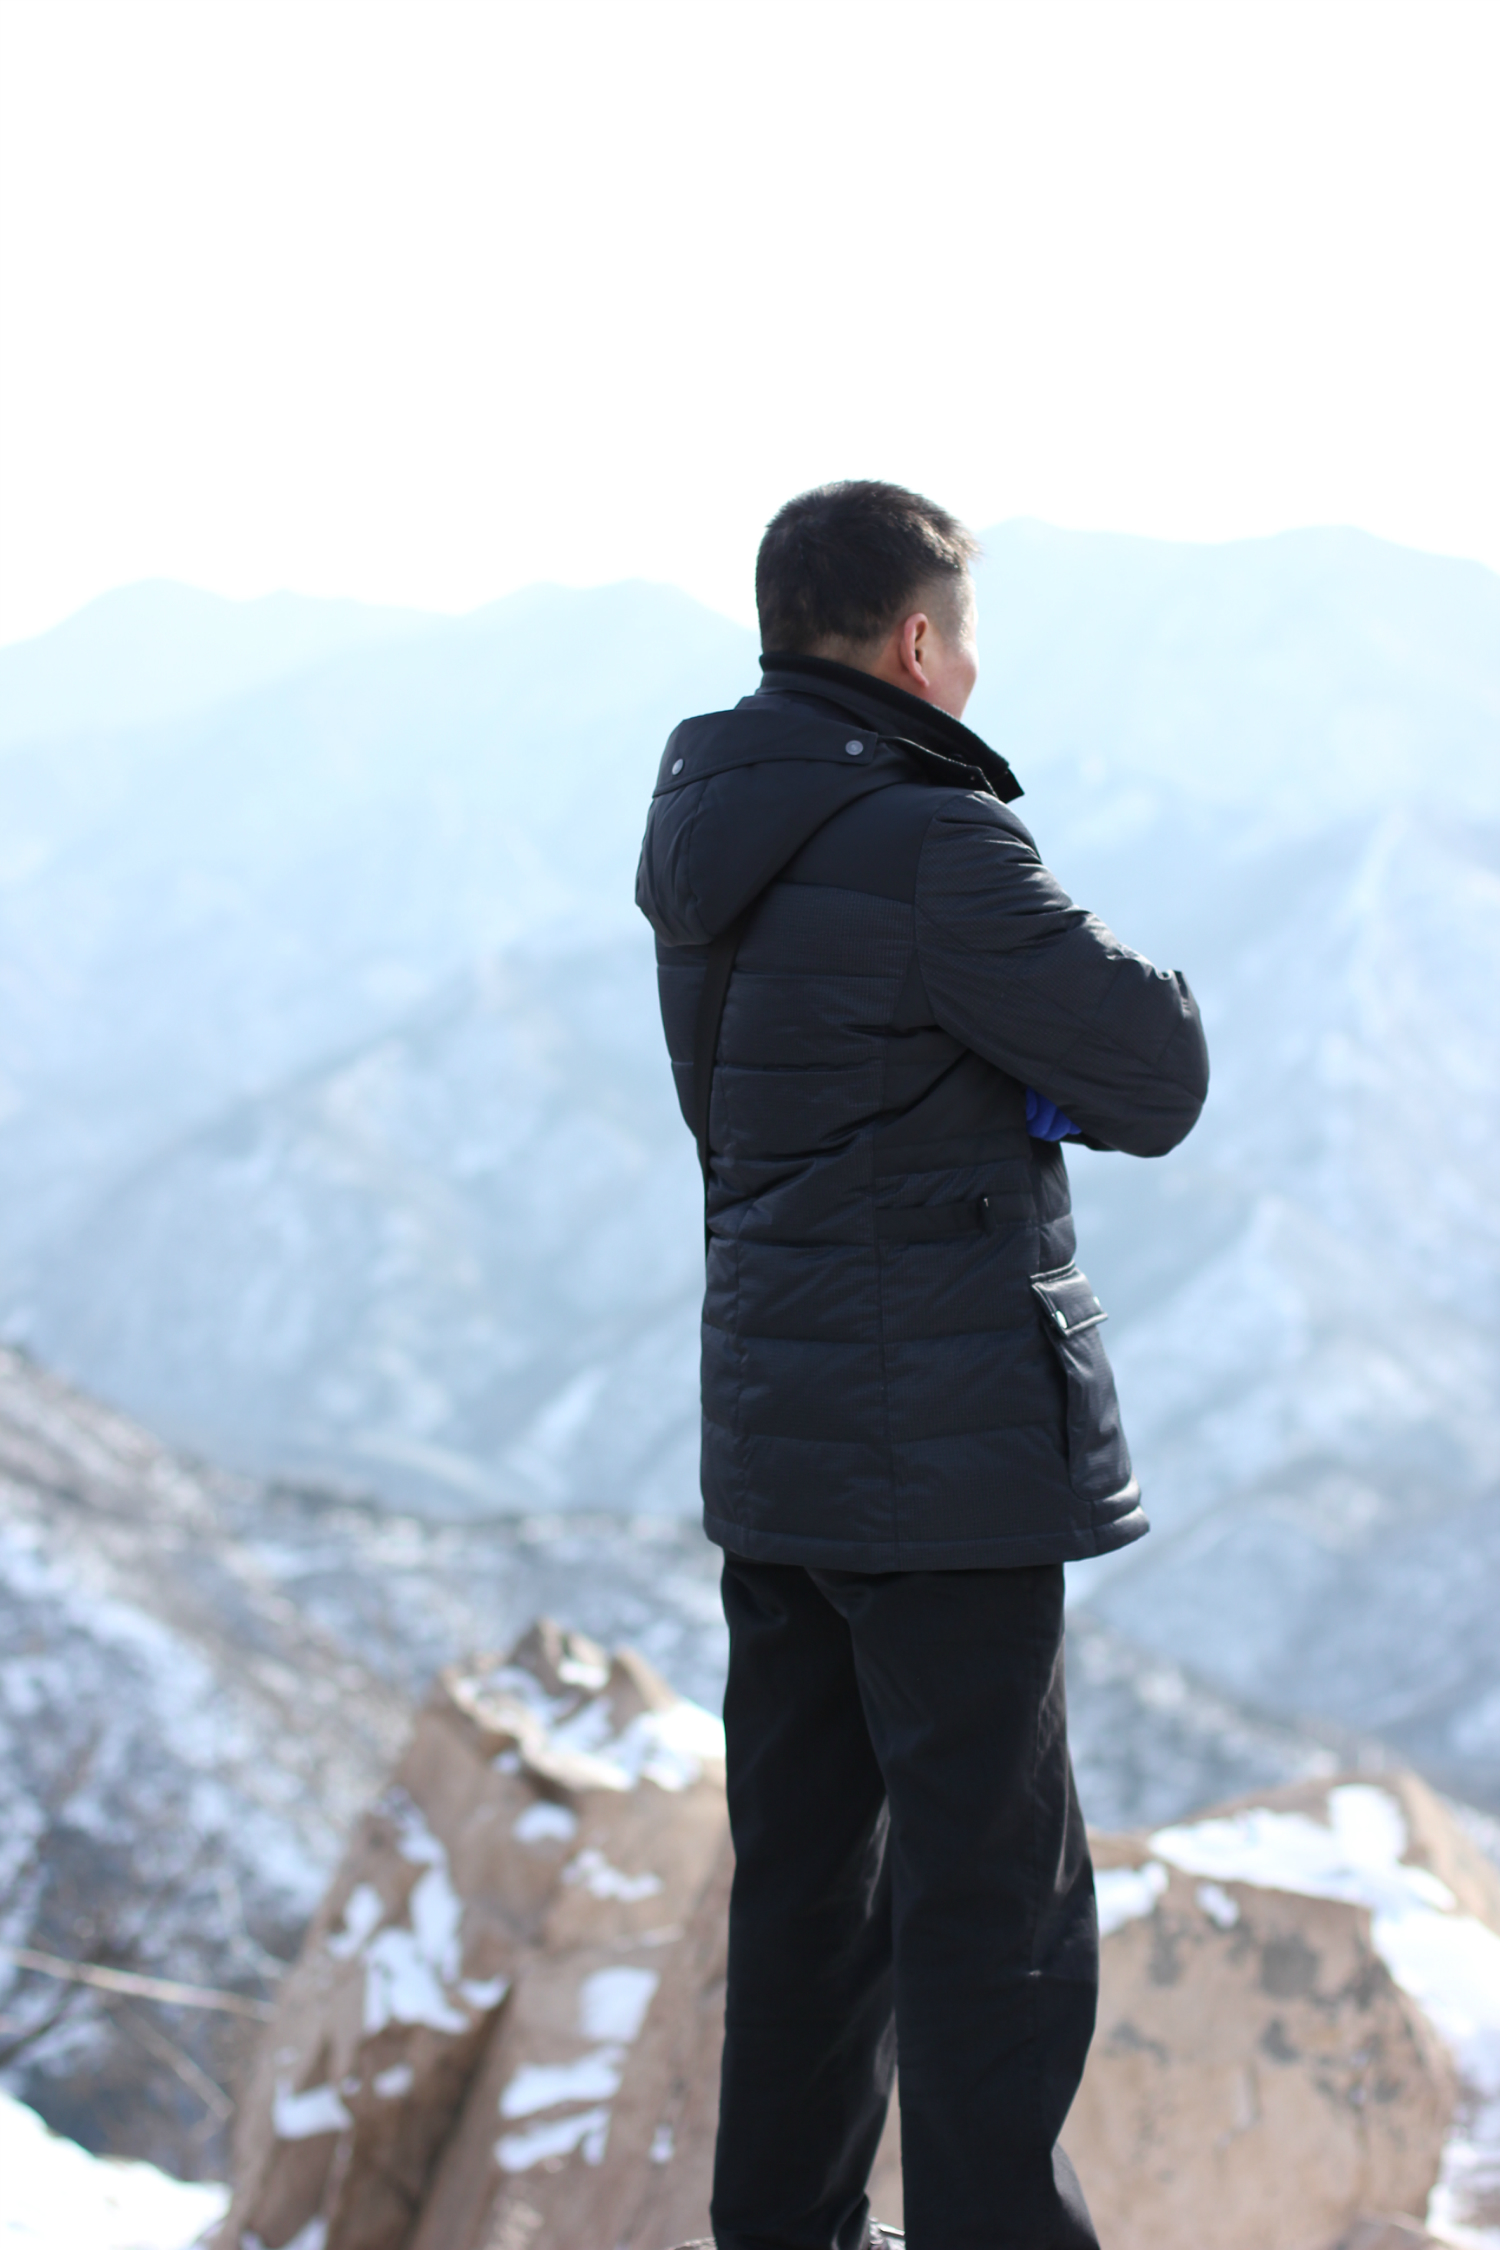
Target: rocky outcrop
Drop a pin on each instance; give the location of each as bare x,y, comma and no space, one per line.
504,2029
475,1991
1357,1956
1254,2060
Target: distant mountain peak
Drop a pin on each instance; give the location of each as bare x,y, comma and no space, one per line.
159,649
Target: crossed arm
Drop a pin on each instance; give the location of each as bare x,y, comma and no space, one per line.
1110,1048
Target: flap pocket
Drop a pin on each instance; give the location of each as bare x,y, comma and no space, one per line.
1068,1300
1098,1457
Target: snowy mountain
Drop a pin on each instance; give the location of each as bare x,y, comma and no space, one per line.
336,1139
456,1265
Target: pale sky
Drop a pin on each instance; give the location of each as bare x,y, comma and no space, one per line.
422,302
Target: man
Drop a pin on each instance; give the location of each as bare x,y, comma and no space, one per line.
884,1015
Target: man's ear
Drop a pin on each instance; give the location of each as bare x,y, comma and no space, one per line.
913,638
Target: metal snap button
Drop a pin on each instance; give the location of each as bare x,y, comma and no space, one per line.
855,749
676,765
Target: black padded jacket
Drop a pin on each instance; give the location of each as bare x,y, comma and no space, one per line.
902,1366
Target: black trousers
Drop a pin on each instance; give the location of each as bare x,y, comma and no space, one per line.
911,1873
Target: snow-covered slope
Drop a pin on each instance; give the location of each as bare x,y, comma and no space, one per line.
339,1142
56,2196
180,1755
458,1265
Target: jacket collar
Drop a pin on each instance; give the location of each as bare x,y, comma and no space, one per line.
947,748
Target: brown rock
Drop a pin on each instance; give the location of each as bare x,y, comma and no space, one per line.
1258,2079
1268,2073
570,2119
515,1853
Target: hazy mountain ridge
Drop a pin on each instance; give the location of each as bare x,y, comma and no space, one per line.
458,1264
159,650
341,1142
266,888
1309,674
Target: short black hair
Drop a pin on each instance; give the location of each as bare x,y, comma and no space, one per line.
839,564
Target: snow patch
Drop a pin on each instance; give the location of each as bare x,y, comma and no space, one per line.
546,1823
364,1912
612,2007
391,2084
518,2152
301,2117
1127,1894
589,1673
593,2077
484,1993
59,2197
403,1986
414,1839
525,1688
613,2002
1356,1857
669,1748
1218,1905
600,1880
408,1972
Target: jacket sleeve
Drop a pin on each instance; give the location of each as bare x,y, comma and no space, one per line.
1042,989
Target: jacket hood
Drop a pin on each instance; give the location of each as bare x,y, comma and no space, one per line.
739,792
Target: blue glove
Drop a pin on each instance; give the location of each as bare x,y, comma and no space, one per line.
1044,1120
